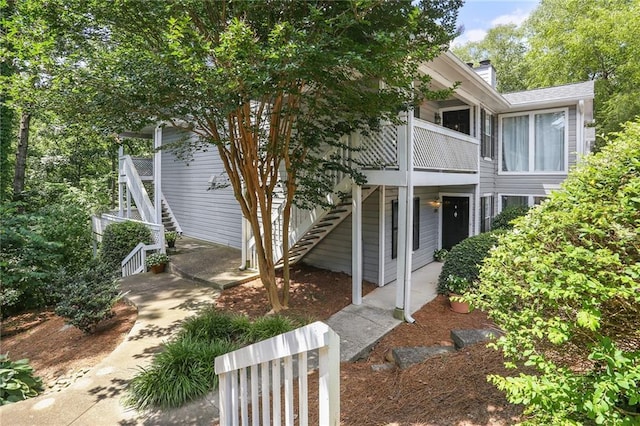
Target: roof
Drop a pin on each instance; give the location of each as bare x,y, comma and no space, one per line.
568,92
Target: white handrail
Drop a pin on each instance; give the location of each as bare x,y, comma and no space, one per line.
301,220
137,190
250,374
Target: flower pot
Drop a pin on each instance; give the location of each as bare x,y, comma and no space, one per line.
171,244
157,269
459,307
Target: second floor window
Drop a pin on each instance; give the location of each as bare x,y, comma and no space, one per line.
487,134
535,142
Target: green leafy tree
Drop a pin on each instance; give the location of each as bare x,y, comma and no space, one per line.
577,40
565,287
270,84
505,47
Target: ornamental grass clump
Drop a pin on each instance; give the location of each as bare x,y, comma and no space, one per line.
184,370
565,287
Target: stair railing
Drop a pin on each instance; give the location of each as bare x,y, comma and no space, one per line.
137,190
301,220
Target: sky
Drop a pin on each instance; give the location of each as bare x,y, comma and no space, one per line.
477,16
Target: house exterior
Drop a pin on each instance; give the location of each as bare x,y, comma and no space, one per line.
437,179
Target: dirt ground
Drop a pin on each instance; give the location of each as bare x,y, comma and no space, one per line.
448,390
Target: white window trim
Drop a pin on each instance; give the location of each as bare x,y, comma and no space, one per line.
530,198
480,136
531,115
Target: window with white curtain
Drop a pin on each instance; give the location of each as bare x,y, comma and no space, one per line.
535,142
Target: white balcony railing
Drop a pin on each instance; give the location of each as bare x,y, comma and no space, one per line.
439,148
436,148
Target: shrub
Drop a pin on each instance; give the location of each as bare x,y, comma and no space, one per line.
88,296
465,258
211,324
504,219
565,287
17,381
183,371
28,261
268,326
119,239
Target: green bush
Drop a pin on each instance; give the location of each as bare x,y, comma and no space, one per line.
88,296
185,369
465,258
565,287
504,219
268,326
119,239
28,261
211,324
17,381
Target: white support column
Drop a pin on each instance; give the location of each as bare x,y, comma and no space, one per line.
356,243
121,186
381,234
157,173
405,220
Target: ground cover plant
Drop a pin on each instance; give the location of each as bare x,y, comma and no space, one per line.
184,370
565,287
17,381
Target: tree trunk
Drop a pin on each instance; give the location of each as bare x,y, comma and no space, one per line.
21,155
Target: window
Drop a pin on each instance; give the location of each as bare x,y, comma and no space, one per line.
457,119
535,142
487,134
394,226
521,200
486,213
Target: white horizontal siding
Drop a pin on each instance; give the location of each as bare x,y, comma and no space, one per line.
211,215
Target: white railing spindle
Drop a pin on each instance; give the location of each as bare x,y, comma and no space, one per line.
270,356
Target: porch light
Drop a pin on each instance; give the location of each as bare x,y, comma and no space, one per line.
437,119
435,203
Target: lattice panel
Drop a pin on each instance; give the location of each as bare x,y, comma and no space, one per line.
380,150
144,166
443,152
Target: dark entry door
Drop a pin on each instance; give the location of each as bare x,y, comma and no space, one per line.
455,220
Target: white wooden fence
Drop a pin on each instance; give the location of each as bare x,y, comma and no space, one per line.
251,377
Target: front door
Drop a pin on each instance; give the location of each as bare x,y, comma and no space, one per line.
455,220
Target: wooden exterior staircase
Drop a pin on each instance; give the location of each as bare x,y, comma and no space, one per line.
323,225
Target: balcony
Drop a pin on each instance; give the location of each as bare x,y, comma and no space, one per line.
435,149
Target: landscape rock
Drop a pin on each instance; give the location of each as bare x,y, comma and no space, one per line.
383,367
406,357
464,338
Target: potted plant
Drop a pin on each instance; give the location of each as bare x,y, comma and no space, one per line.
156,262
440,255
170,237
455,287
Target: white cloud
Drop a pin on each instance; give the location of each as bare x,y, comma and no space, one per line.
517,17
467,36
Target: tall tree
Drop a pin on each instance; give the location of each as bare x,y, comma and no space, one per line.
505,46
578,40
269,84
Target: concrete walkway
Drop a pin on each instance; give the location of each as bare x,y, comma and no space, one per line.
163,301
